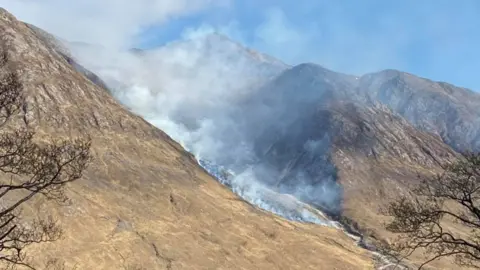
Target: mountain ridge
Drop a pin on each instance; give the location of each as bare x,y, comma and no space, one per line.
404,94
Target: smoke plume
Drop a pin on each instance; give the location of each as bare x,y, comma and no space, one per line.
204,91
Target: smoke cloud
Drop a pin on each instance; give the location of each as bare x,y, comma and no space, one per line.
195,89
202,91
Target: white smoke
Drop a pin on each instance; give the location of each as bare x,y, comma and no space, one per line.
192,89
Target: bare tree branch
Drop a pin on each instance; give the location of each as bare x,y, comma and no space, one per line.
421,217
29,169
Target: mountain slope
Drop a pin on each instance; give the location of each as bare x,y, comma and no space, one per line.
323,133
145,202
453,113
337,141
332,140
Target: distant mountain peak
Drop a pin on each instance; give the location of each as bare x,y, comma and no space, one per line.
314,67
5,15
217,36
317,71
221,44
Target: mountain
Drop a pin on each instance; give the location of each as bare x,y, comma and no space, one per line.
145,203
442,109
333,141
453,113
58,45
336,141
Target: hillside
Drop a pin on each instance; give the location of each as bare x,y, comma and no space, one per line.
145,203
348,145
331,140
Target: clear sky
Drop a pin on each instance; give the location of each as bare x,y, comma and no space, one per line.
438,39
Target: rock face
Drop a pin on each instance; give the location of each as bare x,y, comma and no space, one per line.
453,113
145,203
310,145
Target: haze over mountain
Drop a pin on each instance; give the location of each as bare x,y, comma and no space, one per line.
209,81
331,140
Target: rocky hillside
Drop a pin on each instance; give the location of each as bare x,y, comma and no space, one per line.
348,144
308,117
451,112
145,203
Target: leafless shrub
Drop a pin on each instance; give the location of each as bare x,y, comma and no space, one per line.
420,217
28,169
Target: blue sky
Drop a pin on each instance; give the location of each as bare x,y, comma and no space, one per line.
438,39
